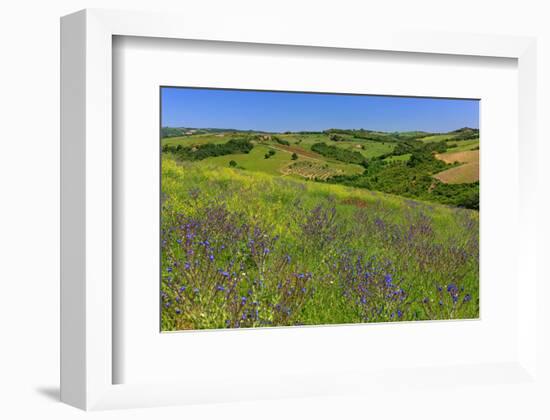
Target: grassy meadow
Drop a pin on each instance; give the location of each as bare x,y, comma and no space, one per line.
310,228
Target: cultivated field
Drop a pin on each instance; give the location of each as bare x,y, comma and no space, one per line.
311,170
469,156
467,171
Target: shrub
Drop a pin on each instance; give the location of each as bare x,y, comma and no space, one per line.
336,137
281,141
269,154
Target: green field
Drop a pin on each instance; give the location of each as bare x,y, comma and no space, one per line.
400,158
304,140
275,165
343,226
438,137
460,146
367,148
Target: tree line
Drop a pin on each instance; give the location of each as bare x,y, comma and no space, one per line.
209,150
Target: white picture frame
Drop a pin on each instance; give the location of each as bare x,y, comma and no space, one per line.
86,203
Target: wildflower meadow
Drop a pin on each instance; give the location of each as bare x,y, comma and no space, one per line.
244,249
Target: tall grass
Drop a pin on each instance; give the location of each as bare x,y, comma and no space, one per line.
245,249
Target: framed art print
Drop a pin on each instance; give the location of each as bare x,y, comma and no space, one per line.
250,217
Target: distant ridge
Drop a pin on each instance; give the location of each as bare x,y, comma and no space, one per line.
185,131
464,132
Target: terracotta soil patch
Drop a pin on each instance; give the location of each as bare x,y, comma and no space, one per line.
354,201
467,156
466,173
462,174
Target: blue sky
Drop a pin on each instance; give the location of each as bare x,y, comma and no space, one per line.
283,111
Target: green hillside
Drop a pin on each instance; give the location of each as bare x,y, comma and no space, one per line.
245,248
404,163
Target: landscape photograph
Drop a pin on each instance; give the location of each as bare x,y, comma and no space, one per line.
285,209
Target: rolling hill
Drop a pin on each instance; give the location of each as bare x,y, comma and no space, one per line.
412,164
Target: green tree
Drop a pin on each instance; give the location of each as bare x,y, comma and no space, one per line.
294,156
232,163
269,154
